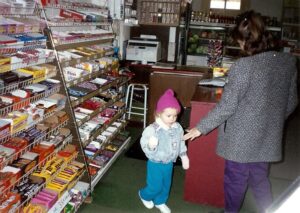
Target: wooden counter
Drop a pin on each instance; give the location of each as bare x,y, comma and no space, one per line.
182,82
204,179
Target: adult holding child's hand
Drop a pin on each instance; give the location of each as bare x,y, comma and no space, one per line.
260,94
191,134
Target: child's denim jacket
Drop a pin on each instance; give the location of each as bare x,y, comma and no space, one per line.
170,143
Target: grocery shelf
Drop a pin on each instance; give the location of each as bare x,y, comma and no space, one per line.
64,199
77,24
291,24
232,47
47,115
86,77
210,25
103,170
83,42
81,7
94,93
21,84
24,102
25,202
28,173
100,109
85,59
26,62
14,86
101,129
278,29
6,49
112,137
19,11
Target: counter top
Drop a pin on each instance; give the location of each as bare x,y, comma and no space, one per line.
207,94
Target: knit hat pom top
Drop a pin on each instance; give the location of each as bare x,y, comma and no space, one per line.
167,100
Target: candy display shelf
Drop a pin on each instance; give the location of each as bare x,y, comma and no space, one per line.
77,24
47,115
96,92
66,198
19,105
77,6
106,142
85,59
103,170
103,128
90,77
42,186
37,141
40,164
26,62
62,45
37,122
43,145
100,109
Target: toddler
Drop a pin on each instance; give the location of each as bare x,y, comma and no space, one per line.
162,143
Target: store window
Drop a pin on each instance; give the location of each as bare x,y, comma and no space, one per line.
225,4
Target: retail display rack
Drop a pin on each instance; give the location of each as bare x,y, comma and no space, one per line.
158,12
61,104
206,41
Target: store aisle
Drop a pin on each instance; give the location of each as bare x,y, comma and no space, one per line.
117,192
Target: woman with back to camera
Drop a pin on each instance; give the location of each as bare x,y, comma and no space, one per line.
260,94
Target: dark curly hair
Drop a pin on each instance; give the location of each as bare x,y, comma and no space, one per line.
250,29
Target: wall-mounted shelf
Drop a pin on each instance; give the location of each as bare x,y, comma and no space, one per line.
161,13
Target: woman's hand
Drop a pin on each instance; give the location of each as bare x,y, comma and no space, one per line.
192,134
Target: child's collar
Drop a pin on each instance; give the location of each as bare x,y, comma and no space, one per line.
161,124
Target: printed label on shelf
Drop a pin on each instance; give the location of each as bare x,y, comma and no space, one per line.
61,203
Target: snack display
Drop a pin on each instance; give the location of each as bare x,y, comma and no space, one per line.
39,143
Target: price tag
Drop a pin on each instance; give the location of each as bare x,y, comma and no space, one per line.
61,203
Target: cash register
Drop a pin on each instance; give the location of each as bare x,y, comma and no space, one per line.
145,49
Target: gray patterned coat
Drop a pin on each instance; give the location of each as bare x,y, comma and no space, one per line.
261,93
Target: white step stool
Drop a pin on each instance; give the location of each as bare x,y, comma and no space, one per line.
141,111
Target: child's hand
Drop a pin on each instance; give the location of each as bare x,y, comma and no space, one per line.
185,162
153,142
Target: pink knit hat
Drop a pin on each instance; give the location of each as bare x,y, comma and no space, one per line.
167,100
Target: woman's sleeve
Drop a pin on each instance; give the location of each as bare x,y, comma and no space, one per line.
293,96
234,90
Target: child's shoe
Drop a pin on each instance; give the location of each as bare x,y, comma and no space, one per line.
147,204
163,208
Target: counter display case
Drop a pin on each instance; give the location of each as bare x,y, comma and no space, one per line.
203,182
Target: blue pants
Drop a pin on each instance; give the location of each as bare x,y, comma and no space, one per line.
238,176
159,178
